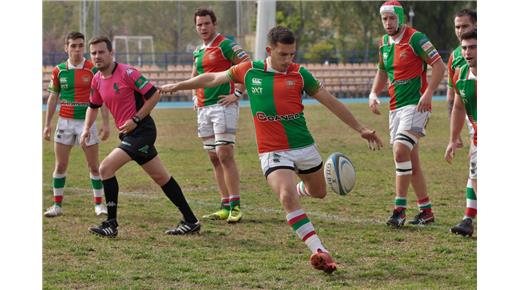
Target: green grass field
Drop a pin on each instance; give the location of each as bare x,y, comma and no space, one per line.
262,251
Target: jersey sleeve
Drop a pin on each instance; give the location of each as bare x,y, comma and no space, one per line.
310,84
424,48
54,84
139,83
234,51
451,72
95,100
238,72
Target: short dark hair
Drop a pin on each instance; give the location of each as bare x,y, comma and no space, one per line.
74,35
468,12
469,35
280,34
204,12
100,39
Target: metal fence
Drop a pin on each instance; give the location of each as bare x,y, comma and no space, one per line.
163,59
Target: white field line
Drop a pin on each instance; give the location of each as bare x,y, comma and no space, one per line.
318,214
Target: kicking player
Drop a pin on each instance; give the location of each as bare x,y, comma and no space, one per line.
465,21
465,104
285,146
403,55
130,97
218,110
70,85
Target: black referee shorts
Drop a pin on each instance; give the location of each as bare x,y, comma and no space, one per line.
139,144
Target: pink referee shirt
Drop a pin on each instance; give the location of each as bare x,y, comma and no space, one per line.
123,93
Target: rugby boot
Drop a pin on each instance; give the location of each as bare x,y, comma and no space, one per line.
322,260
235,215
185,228
464,228
107,229
397,219
423,218
53,211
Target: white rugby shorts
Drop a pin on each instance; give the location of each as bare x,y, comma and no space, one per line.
68,132
303,160
407,118
217,119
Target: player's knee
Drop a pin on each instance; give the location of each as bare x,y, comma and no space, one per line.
287,196
105,170
214,159
60,168
404,143
224,144
401,153
225,153
160,179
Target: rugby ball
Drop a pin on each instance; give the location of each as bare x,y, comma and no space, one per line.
339,173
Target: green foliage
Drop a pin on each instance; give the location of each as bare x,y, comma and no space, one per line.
320,51
262,251
348,25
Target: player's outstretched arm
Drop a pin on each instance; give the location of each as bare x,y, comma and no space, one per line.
344,114
207,80
378,85
456,124
52,101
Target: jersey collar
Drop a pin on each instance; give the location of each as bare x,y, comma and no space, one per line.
398,38
79,66
471,76
211,42
269,68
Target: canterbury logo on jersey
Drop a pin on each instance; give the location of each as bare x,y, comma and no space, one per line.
262,117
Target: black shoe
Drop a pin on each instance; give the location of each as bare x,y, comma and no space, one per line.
107,228
464,228
423,218
184,228
397,219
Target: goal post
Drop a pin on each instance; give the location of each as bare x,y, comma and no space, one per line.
134,50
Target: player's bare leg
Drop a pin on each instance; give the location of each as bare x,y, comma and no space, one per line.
92,155
226,157
218,171
282,183
61,155
425,216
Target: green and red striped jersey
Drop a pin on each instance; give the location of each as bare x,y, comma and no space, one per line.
216,56
466,87
405,62
456,60
72,83
276,103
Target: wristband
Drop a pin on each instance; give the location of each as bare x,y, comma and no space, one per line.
136,119
238,93
373,96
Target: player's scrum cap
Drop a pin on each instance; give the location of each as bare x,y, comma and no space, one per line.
395,8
